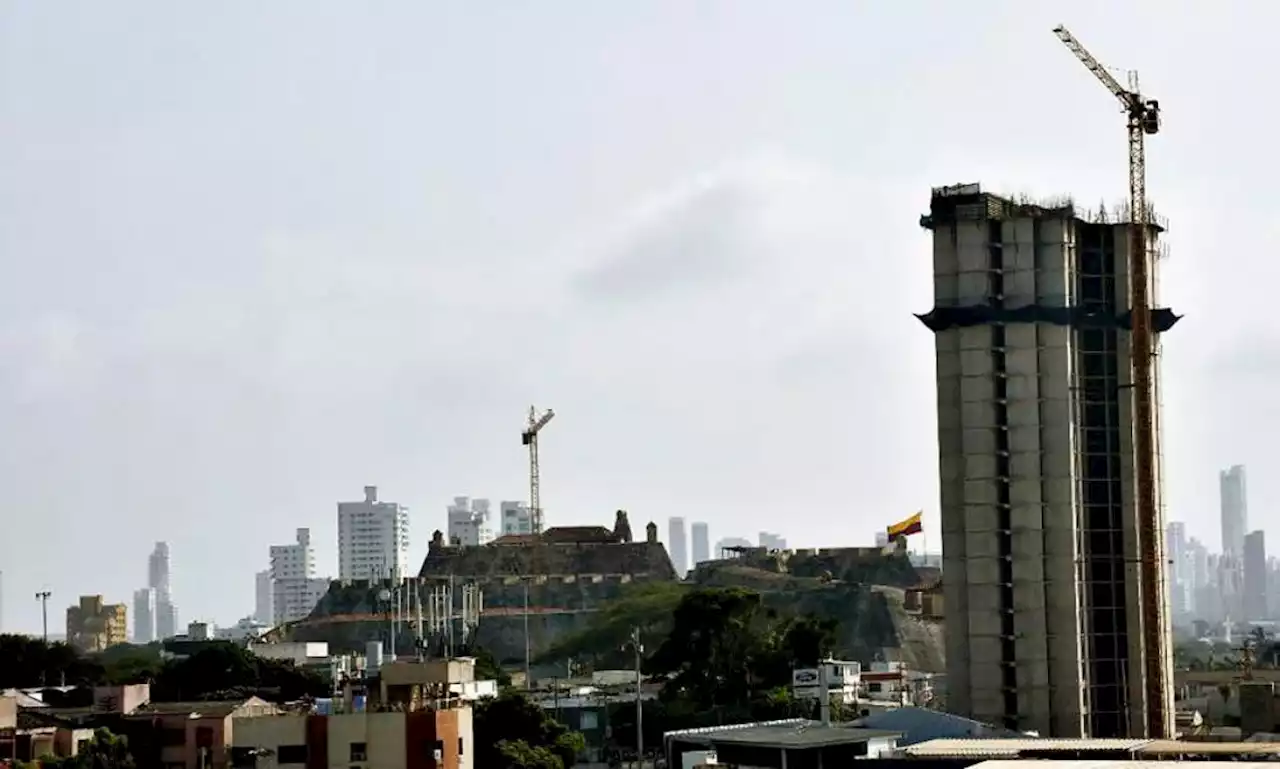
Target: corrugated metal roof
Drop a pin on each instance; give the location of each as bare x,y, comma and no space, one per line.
1012,748
1188,748
1031,763
919,725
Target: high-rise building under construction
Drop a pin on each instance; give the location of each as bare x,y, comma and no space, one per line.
1039,529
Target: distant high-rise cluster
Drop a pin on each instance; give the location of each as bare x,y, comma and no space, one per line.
469,523
1238,584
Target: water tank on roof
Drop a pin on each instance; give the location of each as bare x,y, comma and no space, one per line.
372,658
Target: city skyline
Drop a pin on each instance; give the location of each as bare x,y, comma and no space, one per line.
238,299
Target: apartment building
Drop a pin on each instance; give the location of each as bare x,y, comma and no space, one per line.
94,625
295,589
373,539
469,523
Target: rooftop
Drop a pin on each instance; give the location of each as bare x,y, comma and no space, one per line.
796,733
1014,748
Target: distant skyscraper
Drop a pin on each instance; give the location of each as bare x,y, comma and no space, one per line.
144,615
701,542
1235,509
469,523
158,580
678,546
295,589
728,547
262,604
516,518
770,541
1255,577
373,539
1179,566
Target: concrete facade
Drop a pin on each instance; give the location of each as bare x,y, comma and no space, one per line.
1039,531
373,538
469,522
94,626
678,545
1233,495
144,615
388,740
295,590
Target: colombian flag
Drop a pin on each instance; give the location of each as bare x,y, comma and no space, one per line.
905,528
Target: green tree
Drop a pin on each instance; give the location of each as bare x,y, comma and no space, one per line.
228,671
717,637
103,751
27,662
518,754
512,718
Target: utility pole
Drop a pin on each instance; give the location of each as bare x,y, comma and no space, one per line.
43,598
639,649
528,680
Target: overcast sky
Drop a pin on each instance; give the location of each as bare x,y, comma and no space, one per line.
258,255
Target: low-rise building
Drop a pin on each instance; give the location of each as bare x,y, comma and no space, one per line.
844,680
93,625
405,716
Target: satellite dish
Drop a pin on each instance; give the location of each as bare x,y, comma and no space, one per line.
384,594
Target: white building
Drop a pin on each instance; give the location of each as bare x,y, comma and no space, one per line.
678,546
701,538
144,616
843,681
1035,443
158,580
262,602
469,522
770,541
295,589
516,518
373,539
248,627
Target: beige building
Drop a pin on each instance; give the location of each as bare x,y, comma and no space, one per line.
93,625
409,719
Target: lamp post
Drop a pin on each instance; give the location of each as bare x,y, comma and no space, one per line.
639,650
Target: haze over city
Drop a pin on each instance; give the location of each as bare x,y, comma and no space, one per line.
259,257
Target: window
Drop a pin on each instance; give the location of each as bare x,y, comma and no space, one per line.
460,750
173,737
242,758
291,754
359,751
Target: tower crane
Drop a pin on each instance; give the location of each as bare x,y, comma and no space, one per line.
530,438
1143,117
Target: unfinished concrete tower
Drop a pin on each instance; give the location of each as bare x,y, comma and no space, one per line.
1035,441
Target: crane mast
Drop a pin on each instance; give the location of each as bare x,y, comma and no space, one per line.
530,438
1143,118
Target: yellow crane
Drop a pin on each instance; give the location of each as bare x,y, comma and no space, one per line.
1143,117
530,438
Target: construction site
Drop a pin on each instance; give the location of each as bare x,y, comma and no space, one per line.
1047,324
